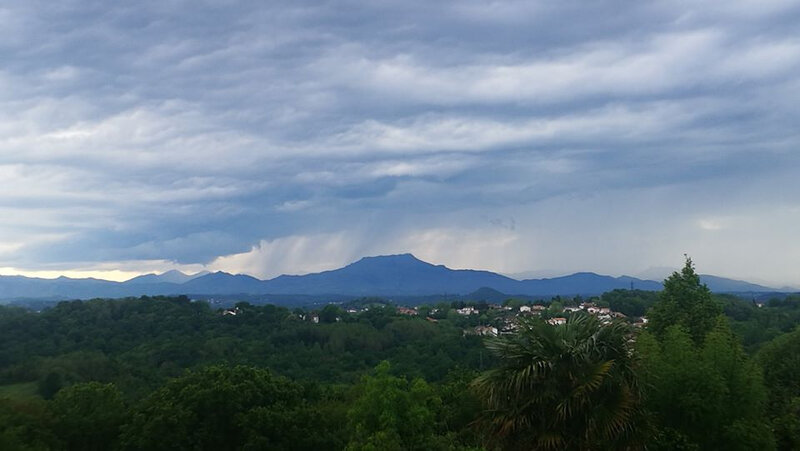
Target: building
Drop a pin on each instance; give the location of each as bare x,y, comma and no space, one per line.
486,331
407,311
467,311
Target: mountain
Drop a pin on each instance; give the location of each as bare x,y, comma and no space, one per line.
405,275
487,294
714,283
224,283
723,285
68,288
389,276
585,283
172,276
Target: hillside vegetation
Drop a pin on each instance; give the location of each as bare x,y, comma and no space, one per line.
705,372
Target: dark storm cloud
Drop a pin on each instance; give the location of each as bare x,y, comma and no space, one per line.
185,131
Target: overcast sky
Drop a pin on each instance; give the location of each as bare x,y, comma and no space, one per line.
291,137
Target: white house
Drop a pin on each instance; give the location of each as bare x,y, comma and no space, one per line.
467,311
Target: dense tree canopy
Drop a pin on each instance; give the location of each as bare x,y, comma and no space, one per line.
630,302
781,362
225,408
157,373
707,397
392,413
88,416
120,365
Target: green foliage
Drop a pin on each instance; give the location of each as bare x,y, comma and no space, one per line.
88,416
460,406
781,362
50,384
138,344
121,365
26,425
758,325
222,408
709,396
561,387
686,303
629,302
392,413
23,390
329,313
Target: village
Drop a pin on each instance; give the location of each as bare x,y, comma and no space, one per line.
476,318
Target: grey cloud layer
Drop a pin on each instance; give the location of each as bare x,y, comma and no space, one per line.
186,131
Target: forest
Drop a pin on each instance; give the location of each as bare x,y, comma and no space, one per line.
705,372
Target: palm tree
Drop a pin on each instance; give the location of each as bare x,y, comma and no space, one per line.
565,387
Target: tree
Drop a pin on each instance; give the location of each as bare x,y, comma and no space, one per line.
629,302
329,313
684,302
393,414
221,408
460,405
26,425
780,359
567,387
88,416
708,396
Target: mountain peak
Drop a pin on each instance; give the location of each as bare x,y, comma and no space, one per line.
173,272
171,276
392,257
382,261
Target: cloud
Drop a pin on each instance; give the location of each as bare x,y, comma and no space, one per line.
301,254
293,137
710,224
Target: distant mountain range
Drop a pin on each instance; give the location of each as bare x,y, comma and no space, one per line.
391,275
173,276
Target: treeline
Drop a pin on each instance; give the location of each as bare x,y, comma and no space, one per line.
684,382
707,372
755,323
106,374
140,343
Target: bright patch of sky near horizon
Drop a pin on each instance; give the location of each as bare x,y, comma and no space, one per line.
287,137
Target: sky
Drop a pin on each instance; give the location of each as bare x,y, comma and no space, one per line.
292,137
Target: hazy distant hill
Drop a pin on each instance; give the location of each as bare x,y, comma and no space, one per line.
67,288
224,283
173,276
584,283
723,285
488,295
391,275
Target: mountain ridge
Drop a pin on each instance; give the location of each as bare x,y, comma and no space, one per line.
171,276
383,275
